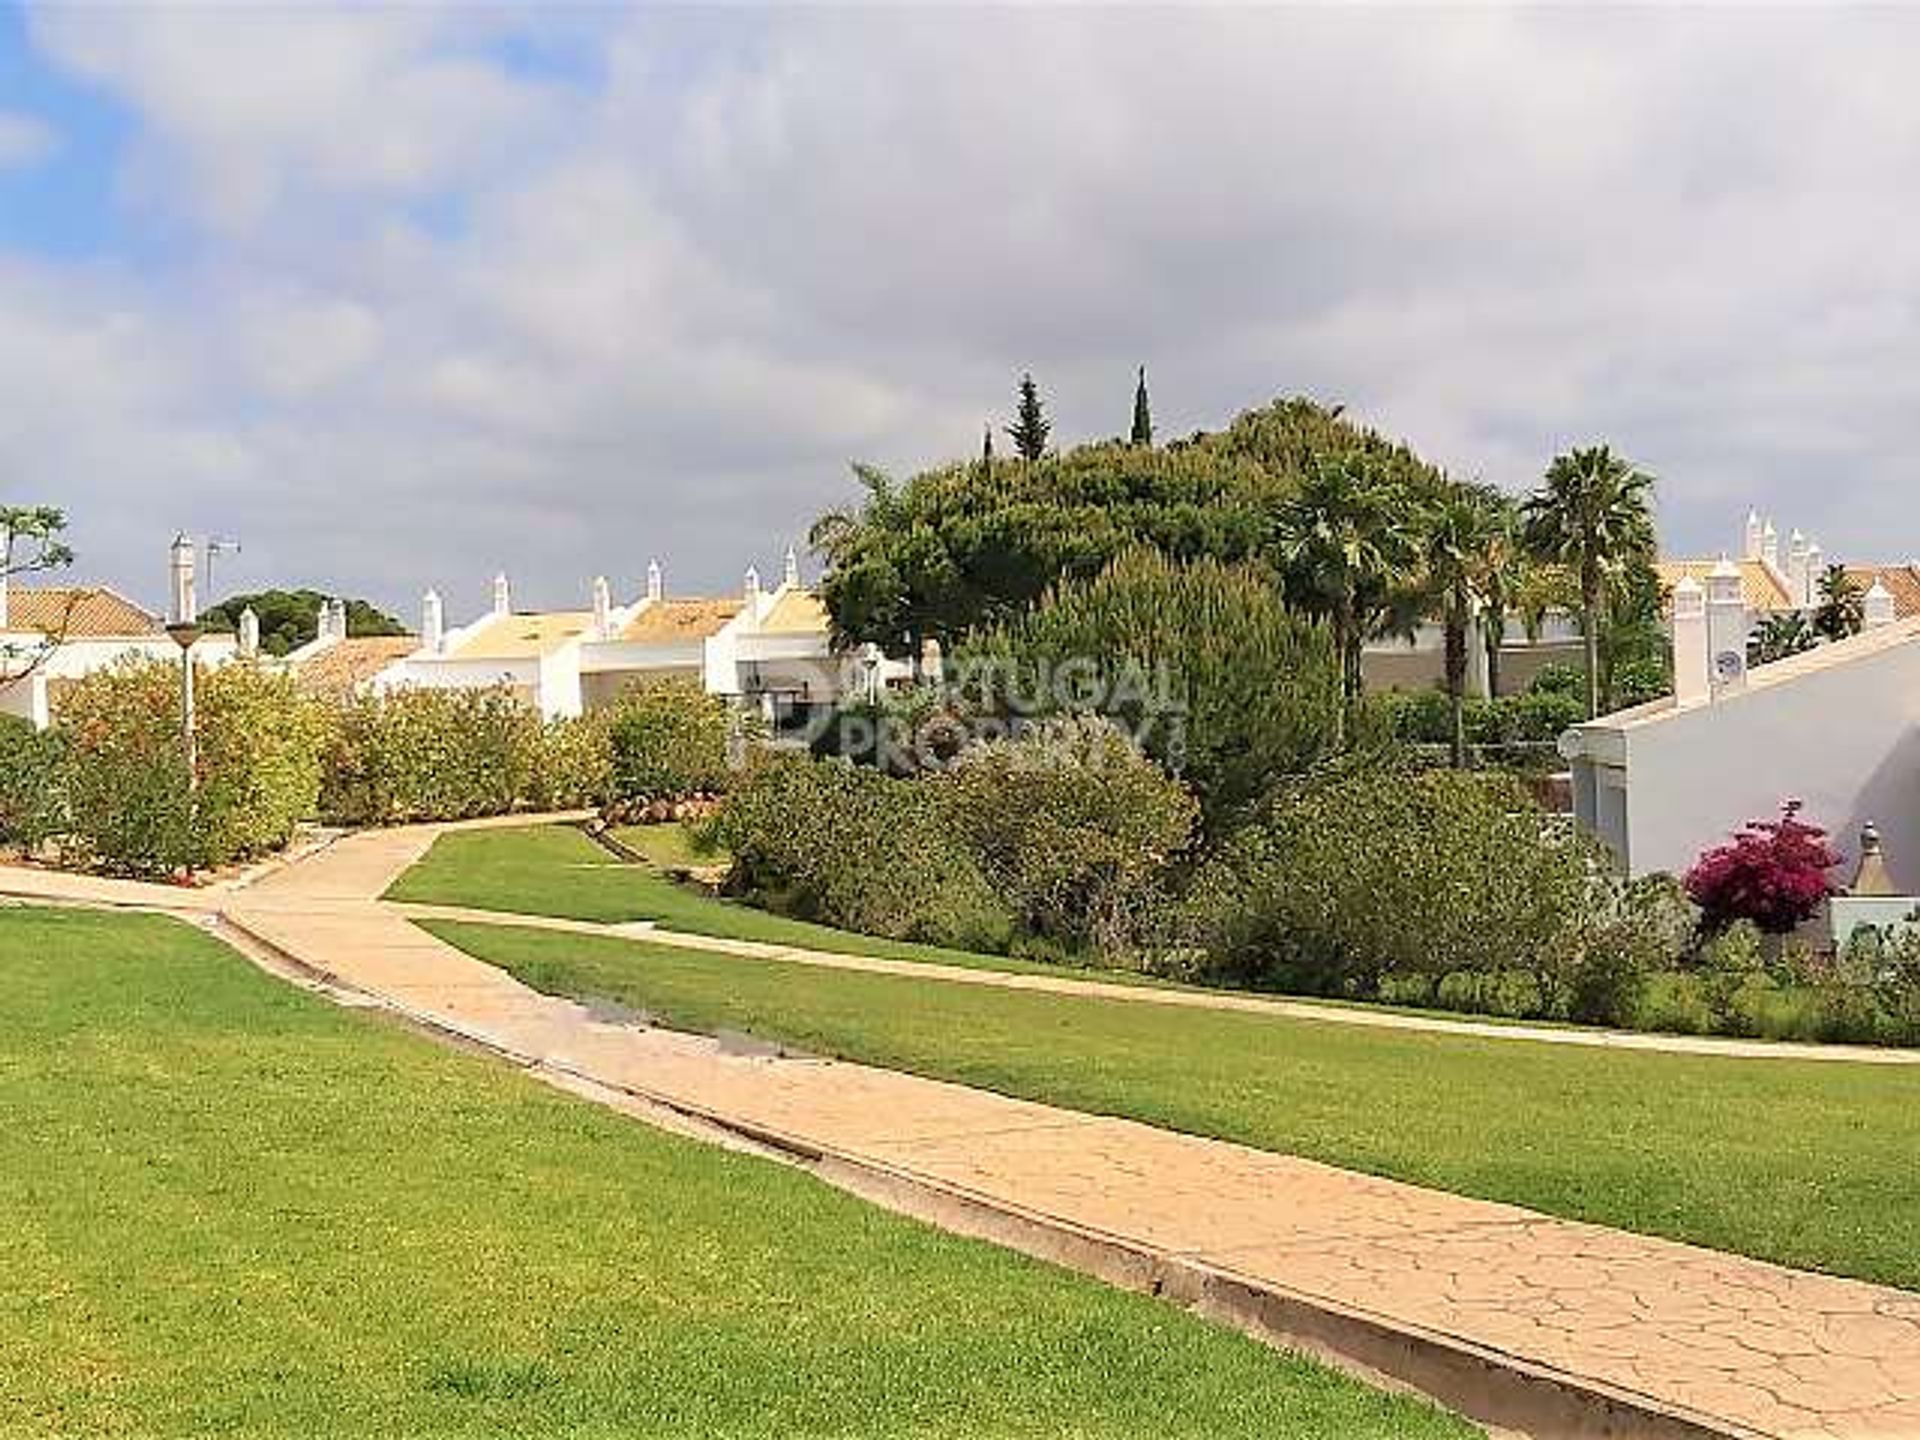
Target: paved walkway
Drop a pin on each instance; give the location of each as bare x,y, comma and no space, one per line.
1517,1319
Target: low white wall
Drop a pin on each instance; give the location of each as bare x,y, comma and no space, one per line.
1844,739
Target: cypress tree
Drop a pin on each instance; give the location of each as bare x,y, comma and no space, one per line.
1142,415
986,451
1030,426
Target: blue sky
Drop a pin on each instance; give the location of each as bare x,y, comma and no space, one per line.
403,295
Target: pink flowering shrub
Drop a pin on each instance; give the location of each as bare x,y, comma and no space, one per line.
1773,872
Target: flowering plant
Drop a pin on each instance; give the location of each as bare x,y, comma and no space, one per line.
1773,872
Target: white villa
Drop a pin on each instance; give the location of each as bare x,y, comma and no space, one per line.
769,647
52,635
1837,728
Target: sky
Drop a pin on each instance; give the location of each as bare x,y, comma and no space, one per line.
404,295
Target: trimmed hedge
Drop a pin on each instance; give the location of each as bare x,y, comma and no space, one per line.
423,754
670,739
32,796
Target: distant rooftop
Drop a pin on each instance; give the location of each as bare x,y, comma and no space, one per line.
1759,586
78,612
340,669
677,622
523,637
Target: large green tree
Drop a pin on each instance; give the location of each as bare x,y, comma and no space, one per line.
291,618
1592,513
968,546
1202,663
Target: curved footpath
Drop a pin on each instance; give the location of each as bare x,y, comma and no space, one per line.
1525,1322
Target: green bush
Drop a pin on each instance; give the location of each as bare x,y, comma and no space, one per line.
1422,717
852,847
32,796
426,754
670,739
1073,826
1201,662
1363,875
129,806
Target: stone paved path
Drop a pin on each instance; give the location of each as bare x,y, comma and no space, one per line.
1515,1318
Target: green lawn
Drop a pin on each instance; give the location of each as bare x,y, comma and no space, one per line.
1807,1163
228,1207
557,870
668,846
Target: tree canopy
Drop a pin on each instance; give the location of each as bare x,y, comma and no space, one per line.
970,545
291,618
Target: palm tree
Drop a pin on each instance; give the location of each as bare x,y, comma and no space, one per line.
1346,540
1503,584
1591,514
1465,534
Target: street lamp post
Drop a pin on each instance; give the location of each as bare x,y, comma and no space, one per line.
186,634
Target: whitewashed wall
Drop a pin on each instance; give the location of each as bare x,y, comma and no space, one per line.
1844,738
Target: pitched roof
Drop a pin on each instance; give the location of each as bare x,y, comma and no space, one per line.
1759,586
1901,581
524,637
77,612
337,671
797,612
679,622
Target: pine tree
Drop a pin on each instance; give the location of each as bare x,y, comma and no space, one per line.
1030,427
1142,415
986,452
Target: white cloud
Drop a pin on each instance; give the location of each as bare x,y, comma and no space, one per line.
431,313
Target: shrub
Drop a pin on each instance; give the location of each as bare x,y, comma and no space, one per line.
1201,662
855,848
573,767
1359,876
426,754
1422,717
1073,826
1558,679
1773,872
129,806
32,800
670,739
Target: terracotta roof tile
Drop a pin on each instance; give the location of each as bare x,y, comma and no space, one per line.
798,612
78,612
679,622
338,671
1901,581
524,637
1759,586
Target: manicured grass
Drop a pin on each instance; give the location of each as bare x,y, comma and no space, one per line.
668,846
227,1207
1807,1163
557,870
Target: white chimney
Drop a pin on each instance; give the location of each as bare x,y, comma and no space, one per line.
1770,547
1816,567
791,579
502,595
185,608
1750,543
1726,627
753,592
339,618
602,608
433,623
656,581
1691,677
249,632
1798,589
1876,607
